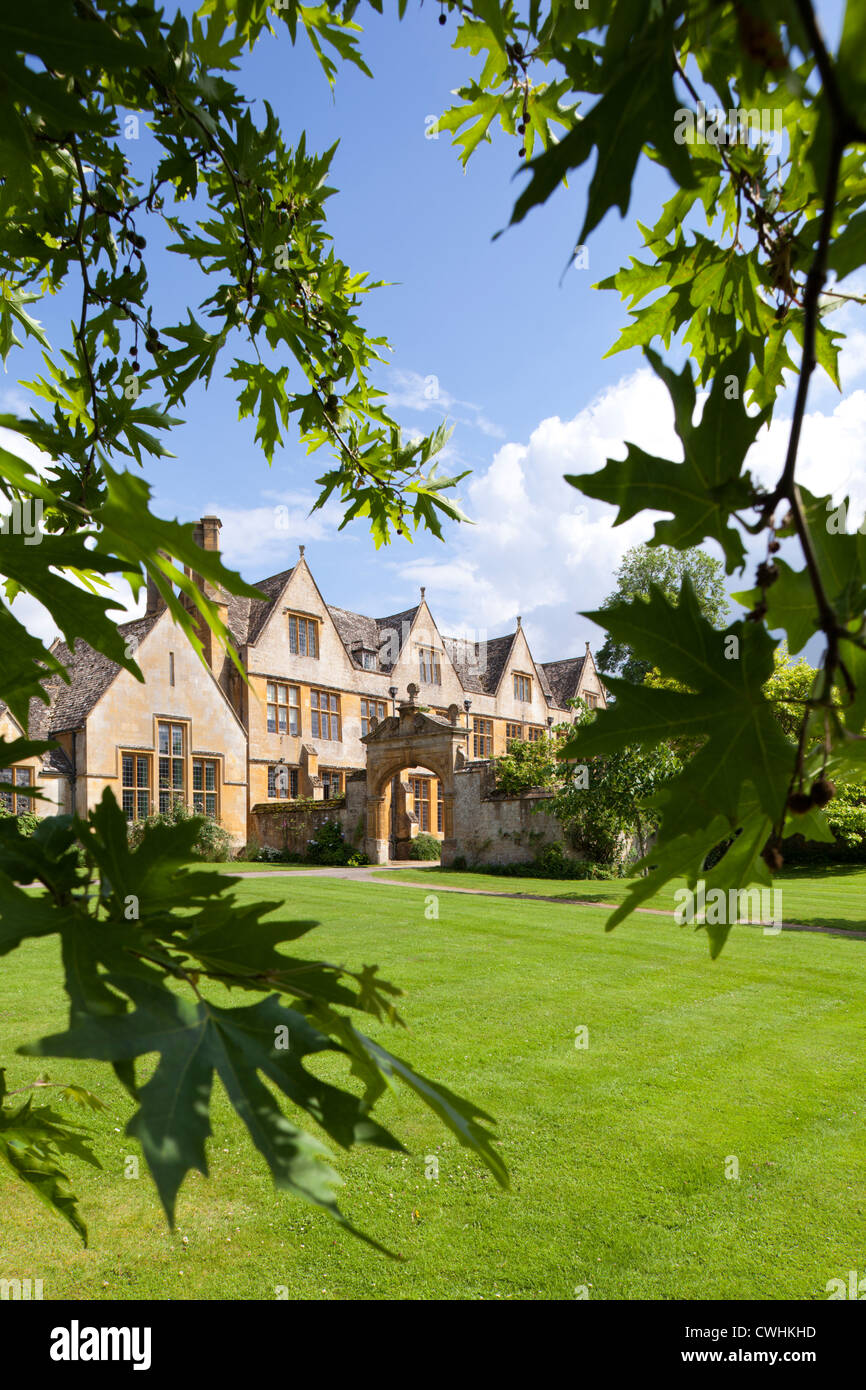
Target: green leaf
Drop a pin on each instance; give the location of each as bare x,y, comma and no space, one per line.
196,1041
848,252
53,31
707,487
791,605
459,1115
636,109
737,780
32,1138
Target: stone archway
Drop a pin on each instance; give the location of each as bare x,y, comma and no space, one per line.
411,738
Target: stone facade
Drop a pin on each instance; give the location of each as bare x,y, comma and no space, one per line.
321,680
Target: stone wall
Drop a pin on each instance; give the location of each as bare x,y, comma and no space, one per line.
490,828
288,825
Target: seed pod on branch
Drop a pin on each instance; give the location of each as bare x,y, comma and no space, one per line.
823,791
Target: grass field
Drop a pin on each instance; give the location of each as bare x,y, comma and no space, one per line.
618,1152
814,897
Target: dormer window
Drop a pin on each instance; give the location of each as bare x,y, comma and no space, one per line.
303,636
369,660
523,688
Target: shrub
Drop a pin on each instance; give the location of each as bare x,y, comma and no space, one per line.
250,851
328,845
27,821
459,863
269,855
212,844
552,859
526,766
425,846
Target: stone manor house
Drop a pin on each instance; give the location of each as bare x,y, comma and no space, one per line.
327,690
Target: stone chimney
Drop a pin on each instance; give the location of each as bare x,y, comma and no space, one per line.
155,601
207,535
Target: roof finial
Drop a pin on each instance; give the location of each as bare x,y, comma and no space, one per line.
587,649
519,620
423,591
301,549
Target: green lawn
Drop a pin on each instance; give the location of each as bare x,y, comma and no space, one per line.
833,897
617,1151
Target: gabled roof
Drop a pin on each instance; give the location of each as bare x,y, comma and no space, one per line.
247,616
398,624
90,675
479,665
378,635
355,631
564,678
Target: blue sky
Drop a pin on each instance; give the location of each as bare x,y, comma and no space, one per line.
517,351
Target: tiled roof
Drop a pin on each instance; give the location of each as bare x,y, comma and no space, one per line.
381,635
389,629
90,675
247,616
355,631
397,620
479,665
564,678
54,760
546,688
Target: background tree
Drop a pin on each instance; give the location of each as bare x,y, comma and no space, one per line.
789,689
644,566
603,805
609,816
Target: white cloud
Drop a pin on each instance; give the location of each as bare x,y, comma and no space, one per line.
37,619
263,540
538,548
414,391
541,549
830,456
16,444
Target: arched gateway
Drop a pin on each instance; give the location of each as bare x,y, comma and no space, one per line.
412,738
